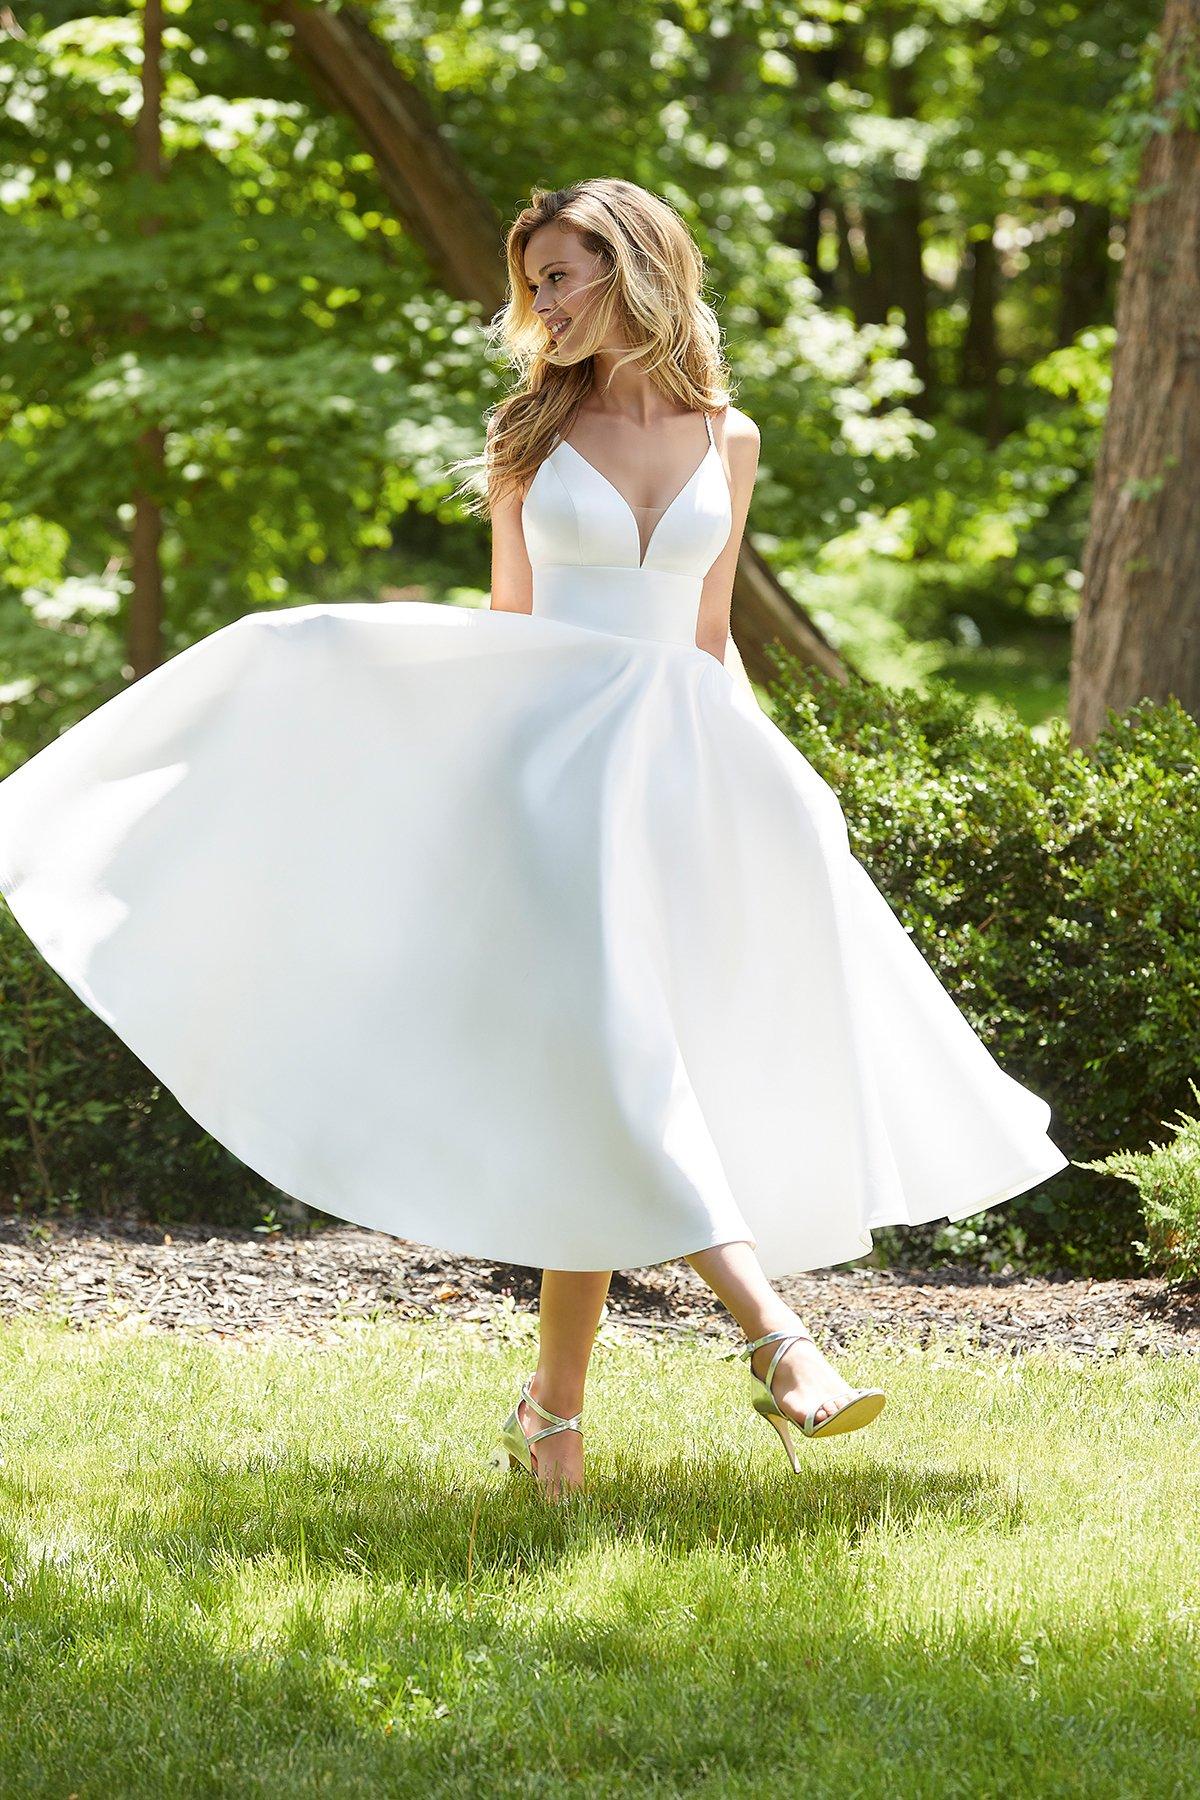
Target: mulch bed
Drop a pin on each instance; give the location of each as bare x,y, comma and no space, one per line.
239,1284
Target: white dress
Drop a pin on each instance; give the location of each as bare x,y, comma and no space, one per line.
524,936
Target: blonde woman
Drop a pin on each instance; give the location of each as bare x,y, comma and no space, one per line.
521,931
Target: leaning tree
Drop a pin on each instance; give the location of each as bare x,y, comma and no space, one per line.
450,218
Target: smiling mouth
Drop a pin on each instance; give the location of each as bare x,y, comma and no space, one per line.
557,326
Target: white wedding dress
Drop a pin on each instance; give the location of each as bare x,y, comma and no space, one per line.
524,936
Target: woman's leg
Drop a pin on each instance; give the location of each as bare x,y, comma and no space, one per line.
804,1377
571,1303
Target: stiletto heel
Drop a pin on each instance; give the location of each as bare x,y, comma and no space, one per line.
862,1406
513,1447
782,1427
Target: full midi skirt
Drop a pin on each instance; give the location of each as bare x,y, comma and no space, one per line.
511,937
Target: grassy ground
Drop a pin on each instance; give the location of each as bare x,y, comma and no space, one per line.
900,624
283,1570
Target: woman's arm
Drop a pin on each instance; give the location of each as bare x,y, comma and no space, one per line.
512,575
738,440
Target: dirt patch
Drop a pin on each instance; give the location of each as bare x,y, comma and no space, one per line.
222,1283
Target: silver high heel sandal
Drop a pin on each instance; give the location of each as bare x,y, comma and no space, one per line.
860,1409
513,1448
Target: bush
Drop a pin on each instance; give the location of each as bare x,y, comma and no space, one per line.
86,1127
1052,890
1167,1177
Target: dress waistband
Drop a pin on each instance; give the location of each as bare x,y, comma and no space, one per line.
642,603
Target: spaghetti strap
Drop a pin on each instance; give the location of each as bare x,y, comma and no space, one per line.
708,423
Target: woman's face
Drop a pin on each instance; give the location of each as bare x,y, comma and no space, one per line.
556,268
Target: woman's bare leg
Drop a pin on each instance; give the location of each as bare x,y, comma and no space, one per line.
804,1377
571,1303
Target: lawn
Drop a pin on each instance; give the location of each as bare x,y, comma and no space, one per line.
284,1568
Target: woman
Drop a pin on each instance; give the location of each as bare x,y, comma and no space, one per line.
522,931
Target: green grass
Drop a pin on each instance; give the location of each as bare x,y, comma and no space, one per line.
903,624
283,1571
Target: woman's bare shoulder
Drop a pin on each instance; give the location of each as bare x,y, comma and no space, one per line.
738,435
739,432
740,427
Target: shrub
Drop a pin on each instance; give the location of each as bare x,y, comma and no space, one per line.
1167,1178
1052,890
84,1126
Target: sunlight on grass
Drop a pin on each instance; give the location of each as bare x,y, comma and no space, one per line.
901,633
287,1568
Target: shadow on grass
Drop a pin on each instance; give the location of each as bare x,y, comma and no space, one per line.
418,1520
114,1686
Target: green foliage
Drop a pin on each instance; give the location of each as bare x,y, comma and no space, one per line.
268,310
281,325
1167,1178
84,1125
64,659
1052,890
259,305
1017,512
265,308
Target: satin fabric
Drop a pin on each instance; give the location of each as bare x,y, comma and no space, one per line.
523,936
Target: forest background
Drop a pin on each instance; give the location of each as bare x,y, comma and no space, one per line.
247,258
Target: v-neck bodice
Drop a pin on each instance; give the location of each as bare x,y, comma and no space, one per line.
585,546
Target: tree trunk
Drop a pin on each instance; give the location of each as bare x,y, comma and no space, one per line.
809,243
911,290
1138,631
800,228
863,257
980,369
1086,270
904,237
807,224
428,185
144,641
764,612
460,234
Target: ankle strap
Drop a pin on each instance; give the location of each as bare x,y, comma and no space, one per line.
783,1339
559,1423
772,1337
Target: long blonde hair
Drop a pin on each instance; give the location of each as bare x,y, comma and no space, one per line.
651,290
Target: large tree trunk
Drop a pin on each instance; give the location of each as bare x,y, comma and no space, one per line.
425,181
1138,631
765,612
460,234
144,639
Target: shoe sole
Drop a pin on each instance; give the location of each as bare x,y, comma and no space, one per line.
859,1411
